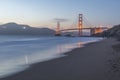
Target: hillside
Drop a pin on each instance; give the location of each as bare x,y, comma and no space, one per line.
18,29
112,32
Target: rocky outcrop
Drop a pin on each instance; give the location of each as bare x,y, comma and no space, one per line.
112,32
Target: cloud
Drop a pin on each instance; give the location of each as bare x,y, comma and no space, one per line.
60,20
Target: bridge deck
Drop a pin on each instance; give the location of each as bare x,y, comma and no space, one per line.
85,28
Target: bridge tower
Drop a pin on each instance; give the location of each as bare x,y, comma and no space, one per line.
58,33
80,24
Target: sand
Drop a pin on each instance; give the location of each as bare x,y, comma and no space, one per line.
93,62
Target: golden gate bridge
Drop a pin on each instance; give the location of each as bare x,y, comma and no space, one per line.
80,28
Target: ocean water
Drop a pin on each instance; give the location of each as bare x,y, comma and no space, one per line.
18,52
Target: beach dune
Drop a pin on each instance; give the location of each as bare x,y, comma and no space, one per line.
86,63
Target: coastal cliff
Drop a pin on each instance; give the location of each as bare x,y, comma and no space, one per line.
112,32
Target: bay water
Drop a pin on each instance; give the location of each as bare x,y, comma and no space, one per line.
17,53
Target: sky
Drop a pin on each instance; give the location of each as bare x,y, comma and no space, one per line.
41,13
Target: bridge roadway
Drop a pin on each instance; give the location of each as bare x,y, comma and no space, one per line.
85,28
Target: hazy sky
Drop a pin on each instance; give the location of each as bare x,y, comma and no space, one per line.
42,12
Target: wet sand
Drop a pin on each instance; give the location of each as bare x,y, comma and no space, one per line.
92,62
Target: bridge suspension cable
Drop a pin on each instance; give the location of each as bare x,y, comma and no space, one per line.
82,24
87,23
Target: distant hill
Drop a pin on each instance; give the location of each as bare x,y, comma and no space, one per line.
18,29
113,32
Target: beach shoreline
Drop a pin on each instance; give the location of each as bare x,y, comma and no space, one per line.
86,63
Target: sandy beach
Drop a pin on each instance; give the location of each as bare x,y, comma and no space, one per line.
95,61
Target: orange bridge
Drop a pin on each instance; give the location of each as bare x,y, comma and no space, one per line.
80,28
